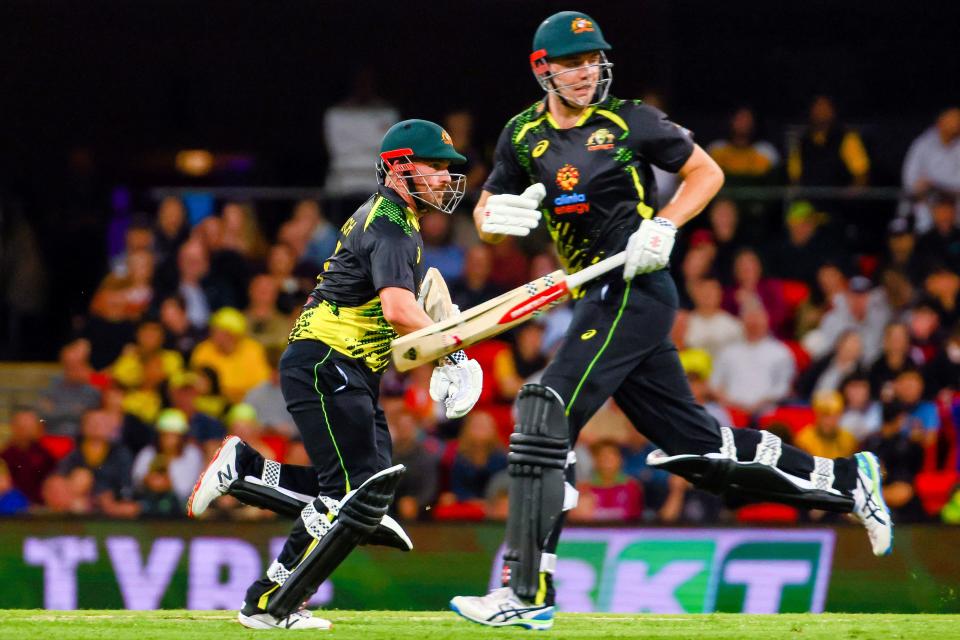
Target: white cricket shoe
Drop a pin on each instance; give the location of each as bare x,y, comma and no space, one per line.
216,478
869,507
502,608
302,619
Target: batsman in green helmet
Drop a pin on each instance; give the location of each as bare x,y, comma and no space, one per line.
582,160
330,377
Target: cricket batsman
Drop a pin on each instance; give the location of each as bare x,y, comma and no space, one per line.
330,378
582,160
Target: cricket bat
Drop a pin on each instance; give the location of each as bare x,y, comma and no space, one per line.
492,317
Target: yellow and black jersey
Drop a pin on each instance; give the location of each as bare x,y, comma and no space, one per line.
379,246
597,173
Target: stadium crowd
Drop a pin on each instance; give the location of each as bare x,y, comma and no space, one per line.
834,344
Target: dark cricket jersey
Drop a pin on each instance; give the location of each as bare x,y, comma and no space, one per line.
378,246
598,173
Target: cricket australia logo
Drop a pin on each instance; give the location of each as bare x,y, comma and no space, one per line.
581,25
568,176
600,139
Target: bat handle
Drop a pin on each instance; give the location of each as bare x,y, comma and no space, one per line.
587,274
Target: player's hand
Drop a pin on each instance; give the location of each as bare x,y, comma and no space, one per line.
458,386
648,249
513,215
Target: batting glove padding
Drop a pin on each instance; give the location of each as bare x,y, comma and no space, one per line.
648,249
458,386
513,215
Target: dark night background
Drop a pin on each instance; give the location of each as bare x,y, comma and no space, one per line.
95,94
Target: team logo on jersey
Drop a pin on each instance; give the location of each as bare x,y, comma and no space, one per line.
540,148
571,203
445,137
600,139
568,176
581,25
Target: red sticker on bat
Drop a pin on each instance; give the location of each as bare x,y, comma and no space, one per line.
540,300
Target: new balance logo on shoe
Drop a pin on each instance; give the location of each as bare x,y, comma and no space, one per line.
225,475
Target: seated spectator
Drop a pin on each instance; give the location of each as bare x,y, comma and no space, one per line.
941,244
70,394
528,355
267,400
171,230
943,290
108,328
28,463
439,249
281,262
192,282
922,415
479,457
474,286
181,335
806,245
743,158
239,361
131,292
242,421
128,370
727,236
894,359
133,433
861,415
944,371
697,264
12,500
692,360
609,495
208,432
267,325
241,233
901,253
138,238
753,375
155,493
933,163
862,309
111,489
418,487
825,437
71,493
831,286
901,453
828,372
751,287
183,460
899,291
828,154
925,334
700,388
322,236
146,400
229,268
709,327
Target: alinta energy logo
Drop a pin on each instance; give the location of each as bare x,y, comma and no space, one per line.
575,203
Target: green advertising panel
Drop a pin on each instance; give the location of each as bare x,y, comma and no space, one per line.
85,564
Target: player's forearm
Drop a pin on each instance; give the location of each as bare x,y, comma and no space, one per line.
702,179
401,310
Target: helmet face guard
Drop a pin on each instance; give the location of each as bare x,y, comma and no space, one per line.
400,162
541,70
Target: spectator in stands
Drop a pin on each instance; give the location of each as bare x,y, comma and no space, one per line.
756,374
558,320
229,268
184,460
192,283
281,262
181,335
117,306
691,359
138,238
709,326
899,291
700,387
109,463
321,235
479,457
901,453
171,230
512,264
474,286
267,399
831,286
243,422
944,371
439,249
528,356
207,431
697,264
146,399
267,325
155,493
751,287
460,126
806,245
908,391
418,487
861,415
70,394
901,251
239,361
128,368
241,233
827,373
609,495
28,462
128,429
943,288
71,493
925,333
933,163
828,154
724,218
352,130
894,360
862,309
941,244
12,499
825,437
743,158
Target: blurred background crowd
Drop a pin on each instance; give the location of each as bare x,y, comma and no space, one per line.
820,300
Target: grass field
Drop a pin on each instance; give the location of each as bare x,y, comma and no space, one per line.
420,625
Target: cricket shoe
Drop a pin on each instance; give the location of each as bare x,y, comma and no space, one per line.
217,477
301,619
502,608
869,507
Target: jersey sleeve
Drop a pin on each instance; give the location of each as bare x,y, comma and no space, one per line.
507,175
393,256
661,142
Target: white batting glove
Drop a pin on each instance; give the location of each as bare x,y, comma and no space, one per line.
458,386
648,249
513,215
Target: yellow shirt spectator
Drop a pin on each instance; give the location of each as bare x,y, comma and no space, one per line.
240,362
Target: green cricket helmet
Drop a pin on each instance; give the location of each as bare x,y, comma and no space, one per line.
564,34
412,140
